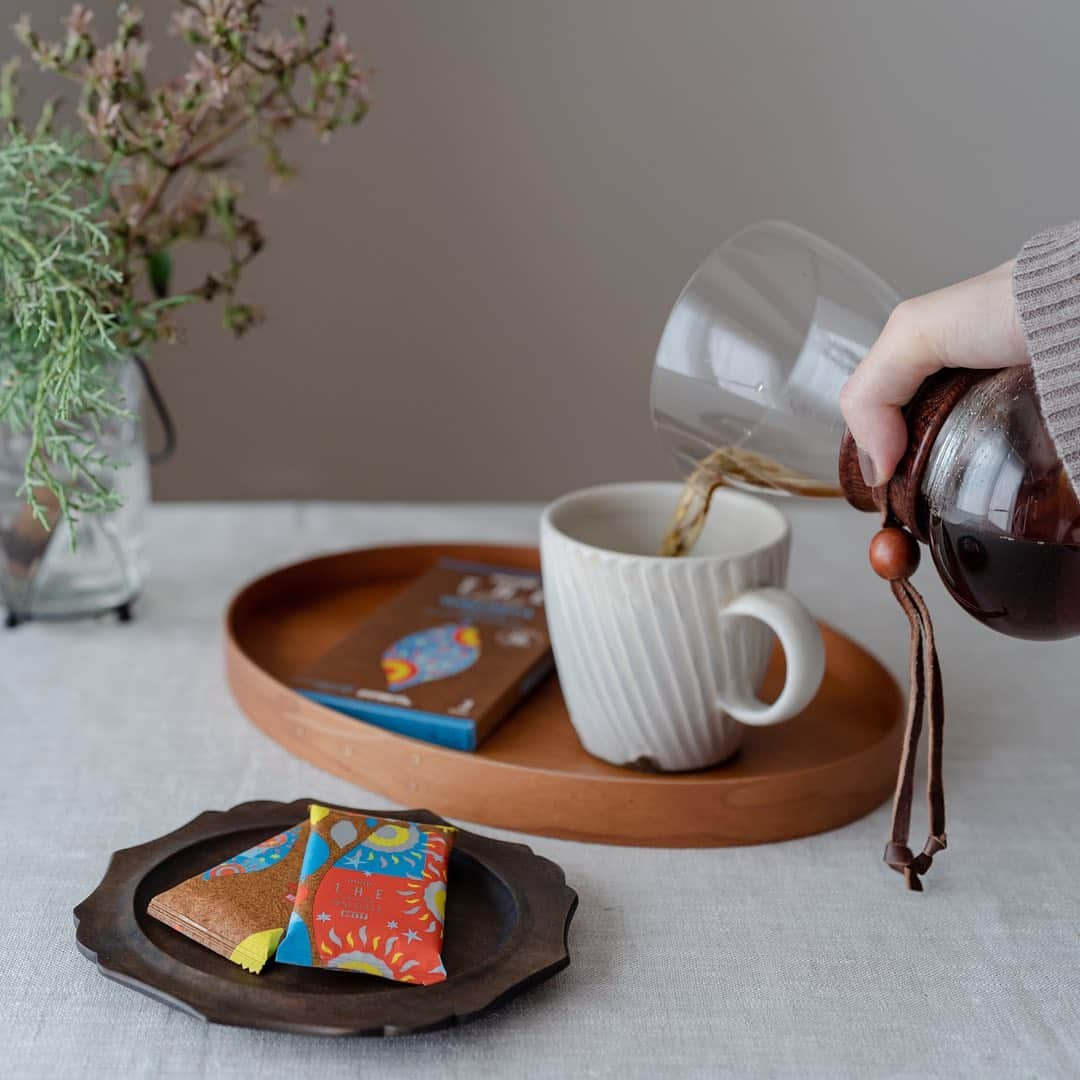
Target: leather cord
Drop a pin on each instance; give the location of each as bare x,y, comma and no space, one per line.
925,706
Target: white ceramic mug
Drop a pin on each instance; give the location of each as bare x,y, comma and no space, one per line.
661,659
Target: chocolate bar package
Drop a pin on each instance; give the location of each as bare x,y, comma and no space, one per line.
371,897
445,659
241,907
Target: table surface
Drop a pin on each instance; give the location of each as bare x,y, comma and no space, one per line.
798,959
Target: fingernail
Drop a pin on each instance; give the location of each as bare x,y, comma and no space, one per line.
866,466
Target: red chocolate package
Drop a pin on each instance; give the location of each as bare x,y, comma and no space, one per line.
371,897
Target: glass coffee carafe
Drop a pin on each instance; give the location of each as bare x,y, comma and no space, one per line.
752,360
1002,519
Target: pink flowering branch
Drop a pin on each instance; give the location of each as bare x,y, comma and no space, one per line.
179,138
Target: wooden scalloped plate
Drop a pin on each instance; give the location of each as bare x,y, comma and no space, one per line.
827,767
507,918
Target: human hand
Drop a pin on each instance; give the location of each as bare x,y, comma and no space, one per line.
973,324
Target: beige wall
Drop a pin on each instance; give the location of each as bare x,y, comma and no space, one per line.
466,292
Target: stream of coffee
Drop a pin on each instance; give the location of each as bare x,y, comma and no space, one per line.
723,467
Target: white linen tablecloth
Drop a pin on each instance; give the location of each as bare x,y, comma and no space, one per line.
801,959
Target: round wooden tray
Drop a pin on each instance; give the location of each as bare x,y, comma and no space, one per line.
830,765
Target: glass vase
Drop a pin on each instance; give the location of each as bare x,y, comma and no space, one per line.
42,575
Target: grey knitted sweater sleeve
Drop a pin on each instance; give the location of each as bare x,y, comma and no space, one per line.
1046,284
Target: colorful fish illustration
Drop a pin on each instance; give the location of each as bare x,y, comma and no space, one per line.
428,655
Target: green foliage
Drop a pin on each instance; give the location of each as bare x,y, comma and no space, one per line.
58,336
159,268
87,229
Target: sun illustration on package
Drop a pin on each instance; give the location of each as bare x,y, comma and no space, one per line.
371,897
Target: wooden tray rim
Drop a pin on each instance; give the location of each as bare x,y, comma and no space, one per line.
606,804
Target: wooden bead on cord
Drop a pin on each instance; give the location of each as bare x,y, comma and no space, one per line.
894,553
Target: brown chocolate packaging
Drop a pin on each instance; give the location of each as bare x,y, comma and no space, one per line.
445,659
241,907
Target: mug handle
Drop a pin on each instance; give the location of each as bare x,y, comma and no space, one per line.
804,651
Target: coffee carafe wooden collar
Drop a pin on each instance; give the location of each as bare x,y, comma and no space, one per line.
925,416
